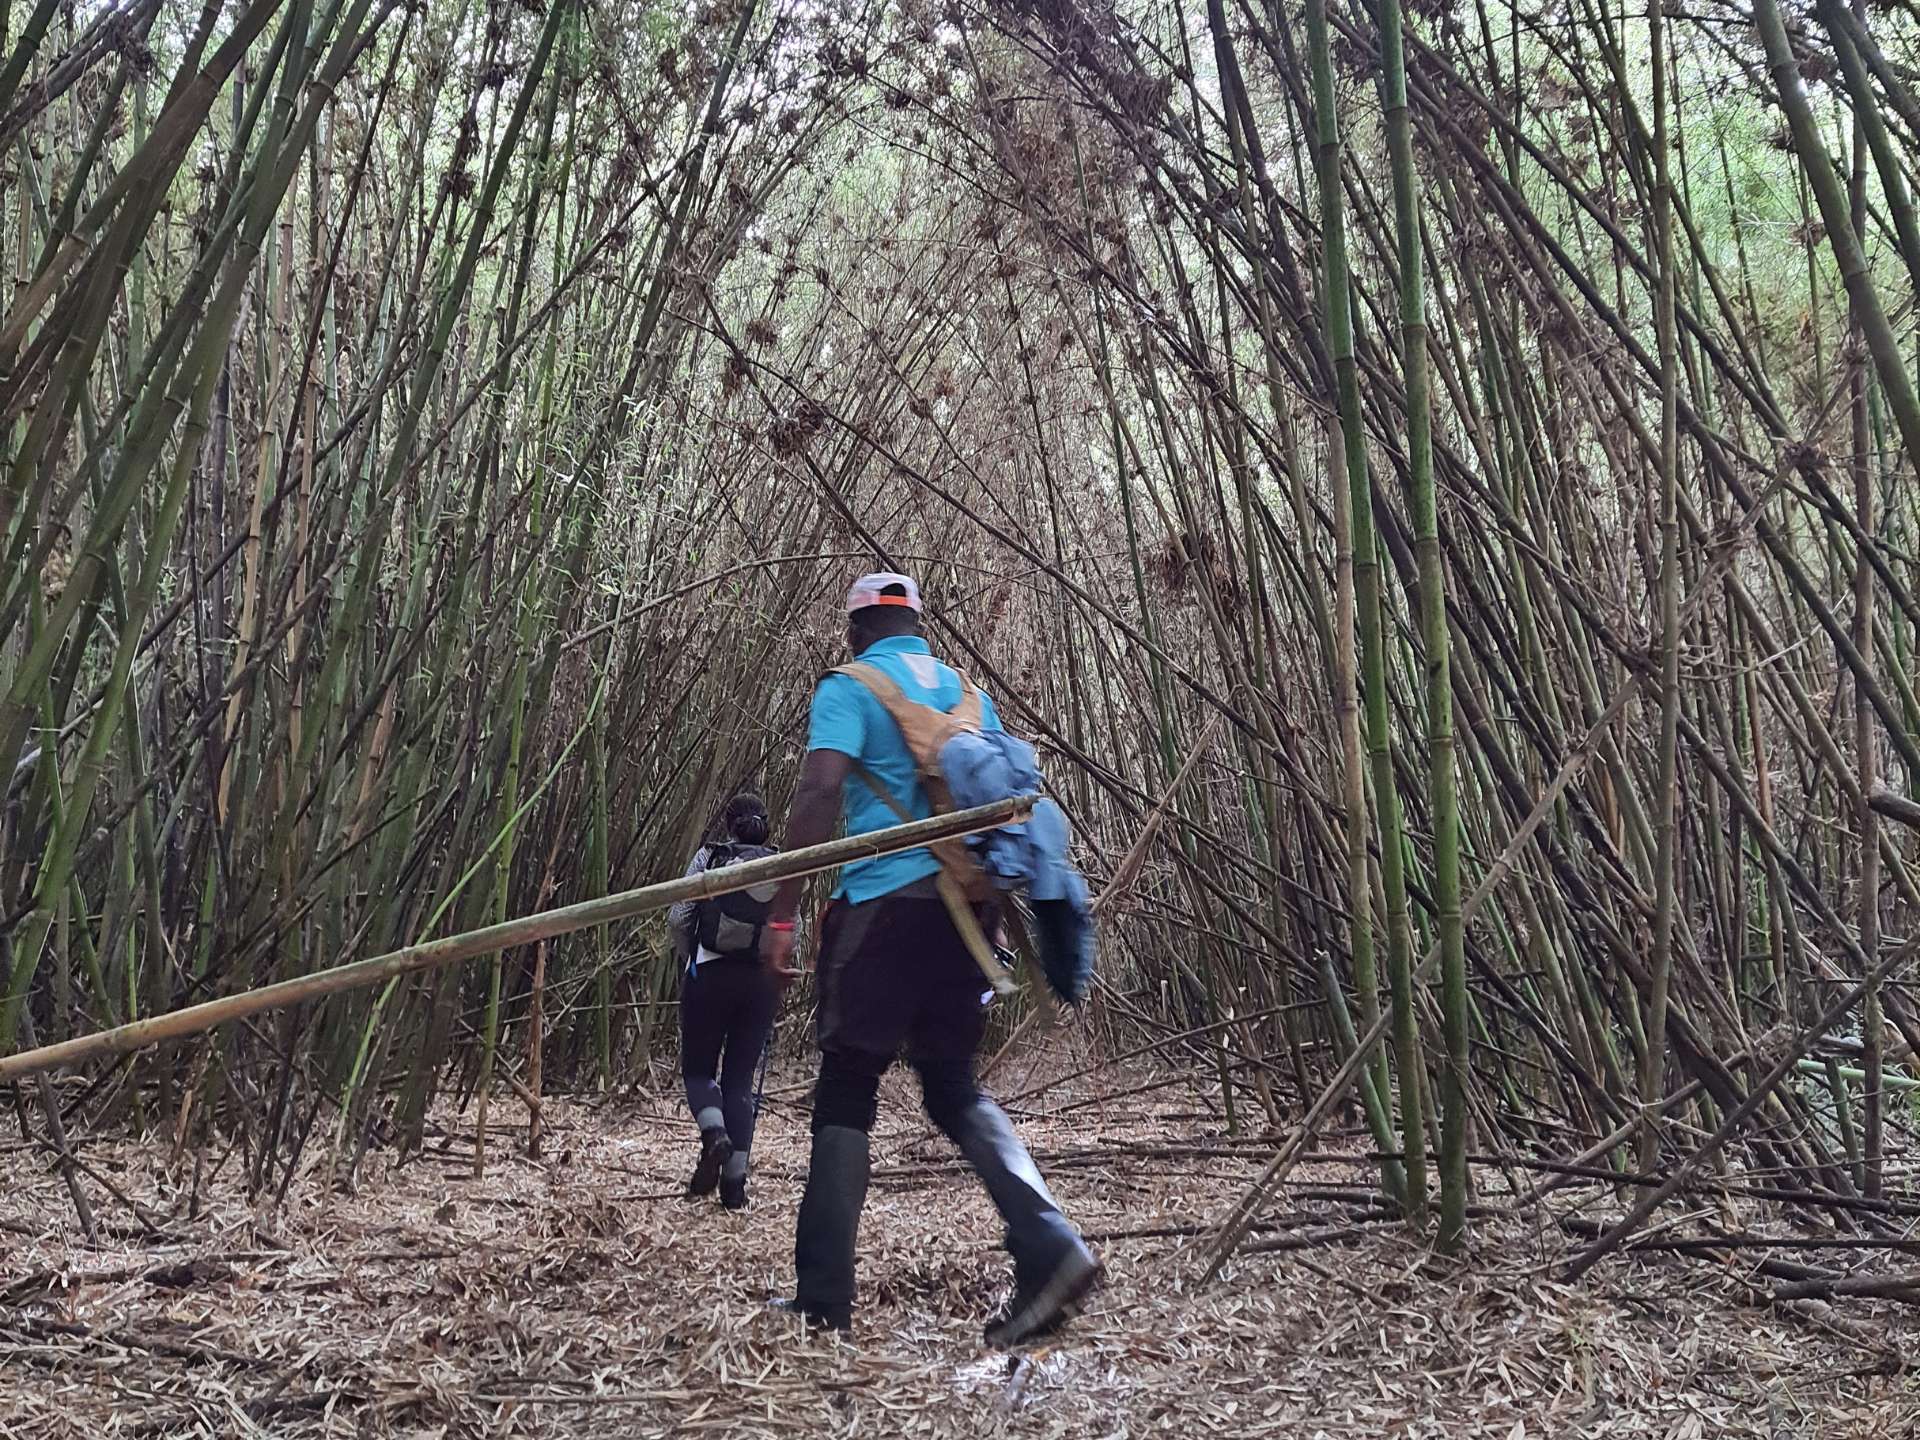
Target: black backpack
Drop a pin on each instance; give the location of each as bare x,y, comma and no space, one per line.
729,925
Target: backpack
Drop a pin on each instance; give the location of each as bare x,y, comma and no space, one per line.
729,925
961,766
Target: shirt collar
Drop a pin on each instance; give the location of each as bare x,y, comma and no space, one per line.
896,645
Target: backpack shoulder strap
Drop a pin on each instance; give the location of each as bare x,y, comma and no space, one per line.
924,728
971,711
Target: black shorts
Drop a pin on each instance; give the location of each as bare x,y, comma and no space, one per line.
895,971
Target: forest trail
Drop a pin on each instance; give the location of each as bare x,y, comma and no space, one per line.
577,1295
1439,483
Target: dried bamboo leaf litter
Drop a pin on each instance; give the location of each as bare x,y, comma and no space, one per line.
579,1296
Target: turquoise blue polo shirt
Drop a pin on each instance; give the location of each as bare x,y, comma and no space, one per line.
847,717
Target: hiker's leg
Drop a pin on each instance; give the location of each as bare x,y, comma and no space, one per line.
754,1000
865,1007
828,1229
702,1029
1038,1235
946,1034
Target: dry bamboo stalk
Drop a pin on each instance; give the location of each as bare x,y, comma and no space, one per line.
1128,870
524,931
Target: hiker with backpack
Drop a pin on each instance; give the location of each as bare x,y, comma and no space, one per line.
727,1004
905,959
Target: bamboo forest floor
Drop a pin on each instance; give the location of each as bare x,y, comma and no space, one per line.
577,1296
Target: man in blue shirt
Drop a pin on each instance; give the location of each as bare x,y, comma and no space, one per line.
896,972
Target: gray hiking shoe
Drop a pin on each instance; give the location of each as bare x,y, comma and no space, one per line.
715,1150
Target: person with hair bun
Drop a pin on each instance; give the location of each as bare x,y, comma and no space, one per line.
727,1004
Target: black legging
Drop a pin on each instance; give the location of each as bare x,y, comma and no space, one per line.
725,1005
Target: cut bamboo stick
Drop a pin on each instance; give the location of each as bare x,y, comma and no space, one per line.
526,930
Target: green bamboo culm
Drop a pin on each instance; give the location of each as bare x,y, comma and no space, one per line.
1870,1159
1442,796
1366,568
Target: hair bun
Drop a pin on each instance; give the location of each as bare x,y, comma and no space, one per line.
746,818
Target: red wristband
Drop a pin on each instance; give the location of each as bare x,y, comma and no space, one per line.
780,925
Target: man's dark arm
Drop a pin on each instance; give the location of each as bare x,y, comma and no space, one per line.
812,818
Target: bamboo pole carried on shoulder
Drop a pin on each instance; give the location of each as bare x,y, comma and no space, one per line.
526,930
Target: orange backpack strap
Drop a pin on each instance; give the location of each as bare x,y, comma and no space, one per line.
970,713
924,728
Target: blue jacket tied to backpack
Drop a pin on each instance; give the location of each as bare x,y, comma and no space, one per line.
1030,857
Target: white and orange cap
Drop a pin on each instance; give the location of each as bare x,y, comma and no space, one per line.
872,590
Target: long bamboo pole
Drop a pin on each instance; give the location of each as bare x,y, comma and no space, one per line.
1339,320
526,930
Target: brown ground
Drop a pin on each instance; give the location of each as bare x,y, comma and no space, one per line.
574,1296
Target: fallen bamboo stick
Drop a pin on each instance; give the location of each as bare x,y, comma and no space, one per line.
526,930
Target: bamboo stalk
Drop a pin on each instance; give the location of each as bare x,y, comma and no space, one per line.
1368,603
1653,1062
1442,793
526,930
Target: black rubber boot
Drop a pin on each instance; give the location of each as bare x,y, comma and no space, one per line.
715,1150
1043,1308
1053,1270
823,1245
